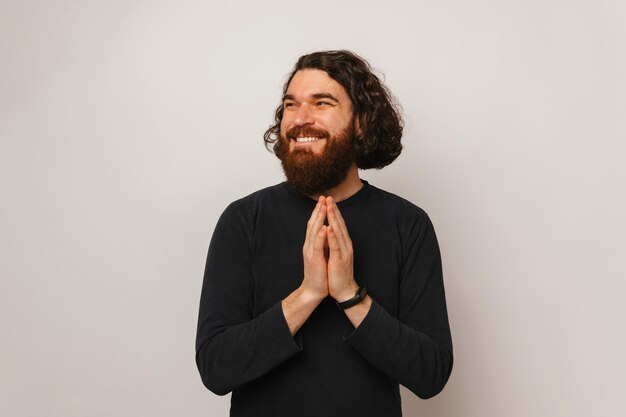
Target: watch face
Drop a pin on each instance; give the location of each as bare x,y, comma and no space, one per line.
363,292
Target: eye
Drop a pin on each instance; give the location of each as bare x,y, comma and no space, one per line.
319,103
286,105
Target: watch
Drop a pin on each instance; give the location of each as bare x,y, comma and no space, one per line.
358,297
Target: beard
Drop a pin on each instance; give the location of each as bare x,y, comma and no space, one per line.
312,173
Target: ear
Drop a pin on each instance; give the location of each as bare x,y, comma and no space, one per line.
357,126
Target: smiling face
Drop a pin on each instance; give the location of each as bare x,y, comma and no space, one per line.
315,107
316,132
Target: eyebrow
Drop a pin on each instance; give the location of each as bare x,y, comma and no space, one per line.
316,96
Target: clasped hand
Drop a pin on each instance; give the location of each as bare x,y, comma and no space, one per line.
327,254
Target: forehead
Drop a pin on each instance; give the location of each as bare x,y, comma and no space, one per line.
309,82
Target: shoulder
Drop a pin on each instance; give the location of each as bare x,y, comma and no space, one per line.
244,209
411,222
252,201
239,216
401,208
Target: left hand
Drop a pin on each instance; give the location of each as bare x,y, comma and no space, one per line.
341,283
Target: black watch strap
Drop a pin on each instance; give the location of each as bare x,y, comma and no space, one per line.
359,296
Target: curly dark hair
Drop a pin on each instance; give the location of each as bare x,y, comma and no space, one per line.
377,110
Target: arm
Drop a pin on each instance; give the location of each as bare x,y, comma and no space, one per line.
415,348
232,346
299,305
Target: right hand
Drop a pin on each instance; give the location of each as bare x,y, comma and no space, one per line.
315,280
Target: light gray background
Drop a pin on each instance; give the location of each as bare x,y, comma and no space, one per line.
128,126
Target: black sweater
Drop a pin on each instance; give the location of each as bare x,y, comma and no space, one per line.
328,368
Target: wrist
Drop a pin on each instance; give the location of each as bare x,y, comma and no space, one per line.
346,293
311,295
358,298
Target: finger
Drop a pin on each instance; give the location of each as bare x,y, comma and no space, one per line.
345,236
321,215
309,223
342,223
339,216
333,242
338,228
320,239
314,214
314,220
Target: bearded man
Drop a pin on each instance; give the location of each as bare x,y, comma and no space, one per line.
323,293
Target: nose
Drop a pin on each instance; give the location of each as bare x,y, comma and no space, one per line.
303,116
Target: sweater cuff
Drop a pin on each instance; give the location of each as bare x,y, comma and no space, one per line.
294,343
361,334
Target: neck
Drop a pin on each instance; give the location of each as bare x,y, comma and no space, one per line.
350,185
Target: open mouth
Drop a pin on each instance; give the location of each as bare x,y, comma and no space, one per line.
307,139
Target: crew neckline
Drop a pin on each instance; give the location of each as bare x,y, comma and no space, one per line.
343,203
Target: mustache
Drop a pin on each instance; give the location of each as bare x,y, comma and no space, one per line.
306,131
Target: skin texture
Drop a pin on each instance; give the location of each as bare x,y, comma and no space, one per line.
310,172
321,116
306,113
327,250
325,276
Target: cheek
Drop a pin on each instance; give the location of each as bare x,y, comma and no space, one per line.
283,125
335,125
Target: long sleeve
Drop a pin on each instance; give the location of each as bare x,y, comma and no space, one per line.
415,348
232,346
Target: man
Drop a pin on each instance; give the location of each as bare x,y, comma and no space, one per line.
322,293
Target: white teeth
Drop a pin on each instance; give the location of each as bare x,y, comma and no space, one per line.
299,140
